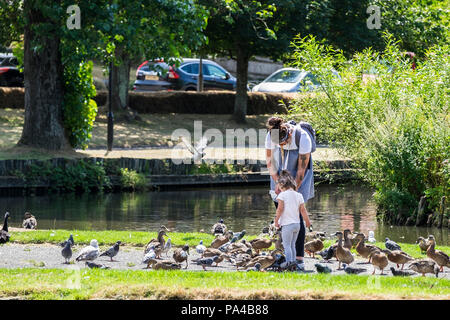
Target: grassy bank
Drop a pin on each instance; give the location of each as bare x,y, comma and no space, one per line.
123,284
141,238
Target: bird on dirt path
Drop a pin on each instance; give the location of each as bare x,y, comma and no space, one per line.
391,245
4,234
200,248
322,269
206,262
93,265
167,246
70,240
351,270
113,251
90,252
67,252
400,273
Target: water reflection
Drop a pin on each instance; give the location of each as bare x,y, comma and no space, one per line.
333,208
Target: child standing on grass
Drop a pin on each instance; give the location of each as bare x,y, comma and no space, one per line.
291,212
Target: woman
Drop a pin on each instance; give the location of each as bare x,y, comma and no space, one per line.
288,147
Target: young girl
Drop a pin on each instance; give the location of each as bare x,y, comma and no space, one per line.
290,204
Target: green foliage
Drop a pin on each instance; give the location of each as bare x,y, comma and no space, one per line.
79,109
206,168
130,179
393,123
80,177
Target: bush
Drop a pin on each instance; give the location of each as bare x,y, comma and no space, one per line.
395,124
130,179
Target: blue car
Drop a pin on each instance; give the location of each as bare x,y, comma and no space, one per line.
157,76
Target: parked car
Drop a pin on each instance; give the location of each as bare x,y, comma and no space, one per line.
289,80
155,76
10,75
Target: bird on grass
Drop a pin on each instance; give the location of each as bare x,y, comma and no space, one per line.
29,221
206,262
200,248
400,273
351,270
90,252
322,269
4,234
70,240
391,245
93,265
67,252
113,251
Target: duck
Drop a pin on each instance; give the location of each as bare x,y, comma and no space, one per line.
206,262
315,235
424,266
113,251
221,258
399,273
348,243
272,229
440,257
211,252
364,250
90,252
181,255
424,244
265,261
219,228
66,252
241,260
261,243
398,257
379,259
29,221
279,242
200,248
163,265
240,250
154,242
371,238
243,245
256,268
391,245
351,270
343,254
4,234
221,240
70,240
322,269
93,265
313,246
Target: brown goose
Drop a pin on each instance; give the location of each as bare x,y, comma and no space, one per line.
4,234
440,257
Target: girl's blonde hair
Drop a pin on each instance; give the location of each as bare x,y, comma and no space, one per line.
286,181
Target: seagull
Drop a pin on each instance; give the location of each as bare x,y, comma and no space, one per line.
200,248
392,245
67,252
197,151
90,252
113,251
371,237
63,244
167,246
94,265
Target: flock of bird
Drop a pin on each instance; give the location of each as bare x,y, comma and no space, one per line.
249,255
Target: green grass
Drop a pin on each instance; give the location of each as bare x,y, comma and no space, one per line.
34,283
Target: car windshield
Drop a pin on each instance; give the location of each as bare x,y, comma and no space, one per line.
288,76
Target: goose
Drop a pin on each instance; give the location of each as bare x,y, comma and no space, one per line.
113,251
29,221
4,234
90,252
440,257
200,248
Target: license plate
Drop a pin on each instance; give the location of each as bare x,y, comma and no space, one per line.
152,77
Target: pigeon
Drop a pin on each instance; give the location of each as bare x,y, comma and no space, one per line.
200,248
29,221
167,246
351,270
4,234
329,253
238,236
94,265
90,252
224,247
204,262
257,267
113,251
391,245
322,269
400,273
150,255
371,237
63,244
67,252
198,152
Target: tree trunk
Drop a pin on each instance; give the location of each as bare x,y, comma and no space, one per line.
44,93
120,82
240,102
200,76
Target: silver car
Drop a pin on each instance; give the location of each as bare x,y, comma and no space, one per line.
289,80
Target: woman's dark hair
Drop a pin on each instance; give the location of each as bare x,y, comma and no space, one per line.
286,181
281,129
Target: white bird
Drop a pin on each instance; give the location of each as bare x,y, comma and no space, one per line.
149,256
90,252
371,237
200,248
167,246
197,151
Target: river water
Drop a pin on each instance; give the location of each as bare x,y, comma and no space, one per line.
334,208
